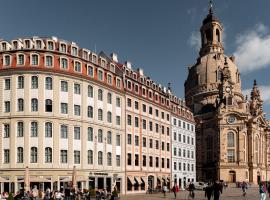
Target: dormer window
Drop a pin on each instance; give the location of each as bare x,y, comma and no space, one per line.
85,55
74,51
50,46
63,48
4,46
77,66
15,45
135,76
94,59
103,63
38,44
27,44
129,85
7,60
20,59
112,68
150,94
49,61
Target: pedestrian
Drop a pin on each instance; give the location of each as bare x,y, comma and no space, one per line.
216,190
174,191
268,189
208,191
35,193
244,188
191,189
164,189
262,191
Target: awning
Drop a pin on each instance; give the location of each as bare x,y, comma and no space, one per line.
65,179
144,179
81,179
3,180
130,178
39,179
138,179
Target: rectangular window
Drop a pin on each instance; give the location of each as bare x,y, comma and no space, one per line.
64,86
7,84
100,75
144,160
136,122
144,142
136,140
144,108
64,108
129,102
118,140
136,105
150,161
150,143
118,83
150,126
129,140
90,71
157,144
129,120
7,106
168,163
144,124
118,120
150,110
230,155
6,130
129,158
63,155
77,133
77,110
6,155
64,131
136,160
162,162
77,89
168,146
77,157
118,163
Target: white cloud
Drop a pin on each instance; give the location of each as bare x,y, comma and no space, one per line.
195,40
265,93
253,49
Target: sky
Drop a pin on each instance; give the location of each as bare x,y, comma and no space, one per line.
160,36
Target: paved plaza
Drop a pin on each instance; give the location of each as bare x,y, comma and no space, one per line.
229,193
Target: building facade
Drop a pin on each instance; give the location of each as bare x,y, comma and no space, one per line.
183,141
61,106
232,132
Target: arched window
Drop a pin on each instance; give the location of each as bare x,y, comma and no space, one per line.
48,155
109,117
20,105
219,75
20,129
90,91
109,137
48,105
77,66
34,129
100,114
34,105
230,147
218,35
20,59
7,60
20,82
34,82
64,63
109,98
100,158
19,155
90,134
34,59
90,111
100,95
100,136
49,61
230,139
48,129
33,156
49,83
90,157
257,147
109,159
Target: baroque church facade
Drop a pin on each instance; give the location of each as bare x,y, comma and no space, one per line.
232,132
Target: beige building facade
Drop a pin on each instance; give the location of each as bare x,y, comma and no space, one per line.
61,107
232,131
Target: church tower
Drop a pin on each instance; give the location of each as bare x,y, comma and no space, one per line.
225,131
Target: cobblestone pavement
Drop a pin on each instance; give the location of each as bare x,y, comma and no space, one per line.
229,193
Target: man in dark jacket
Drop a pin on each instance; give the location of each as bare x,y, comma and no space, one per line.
217,190
209,191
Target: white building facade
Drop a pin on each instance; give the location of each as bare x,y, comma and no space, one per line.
183,151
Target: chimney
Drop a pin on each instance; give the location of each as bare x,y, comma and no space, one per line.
114,57
128,64
140,70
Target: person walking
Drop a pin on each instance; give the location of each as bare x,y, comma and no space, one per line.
268,189
216,190
174,191
164,189
244,188
208,191
191,189
262,191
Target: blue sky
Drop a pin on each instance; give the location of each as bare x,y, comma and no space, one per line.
160,36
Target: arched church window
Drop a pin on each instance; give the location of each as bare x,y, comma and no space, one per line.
230,139
217,35
230,101
208,36
257,150
219,74
230,147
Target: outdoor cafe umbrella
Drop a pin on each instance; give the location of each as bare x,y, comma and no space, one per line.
26,179
74,181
